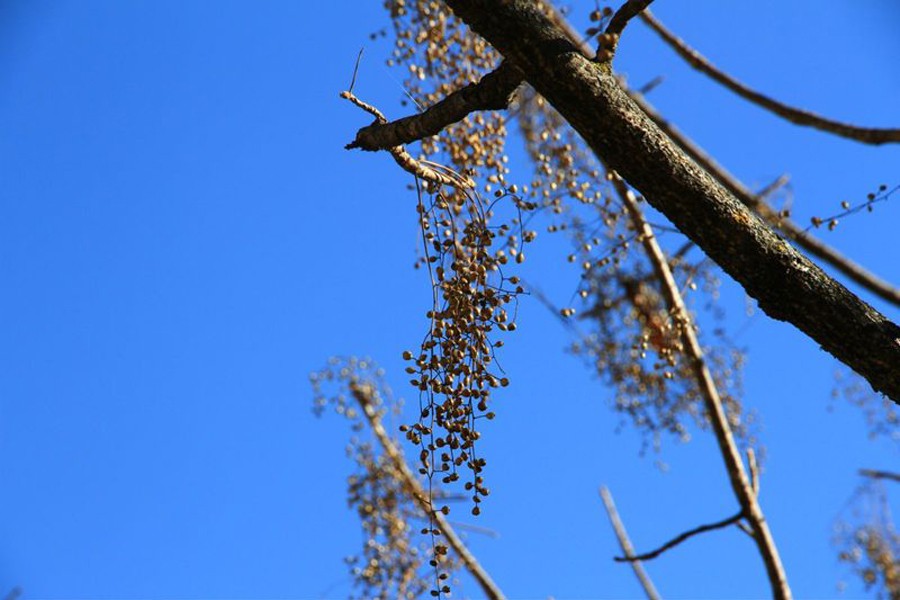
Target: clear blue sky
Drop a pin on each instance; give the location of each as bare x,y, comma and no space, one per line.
183,239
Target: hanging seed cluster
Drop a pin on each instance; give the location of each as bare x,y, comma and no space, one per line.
393,562
868,541
439,55
455,369
635,345
467,241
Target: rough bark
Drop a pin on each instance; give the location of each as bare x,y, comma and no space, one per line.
786,284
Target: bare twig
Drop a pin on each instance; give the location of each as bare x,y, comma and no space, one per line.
754,471
740,483
362,394
432,172
875,474
794,115
625,544
355,70
610,38
794,232
680,538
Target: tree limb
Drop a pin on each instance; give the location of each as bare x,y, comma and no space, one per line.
625,543
786,284
492,92
610,38
420,496
794,115
745,488
680,538
874,474
812,245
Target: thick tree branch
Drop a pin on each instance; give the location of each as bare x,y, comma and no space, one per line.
746,489
681,538
492,92
809,243
812,245
794,115
786,284
625,544
362,394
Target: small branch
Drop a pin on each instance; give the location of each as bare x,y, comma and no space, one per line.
754,471
609,41
874,474
791,230
794,115
492,92
625,544
426,170
740,482
684,536
420,496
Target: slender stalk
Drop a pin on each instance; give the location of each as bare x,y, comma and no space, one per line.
625,544
740,481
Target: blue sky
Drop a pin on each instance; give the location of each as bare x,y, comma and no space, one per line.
184,239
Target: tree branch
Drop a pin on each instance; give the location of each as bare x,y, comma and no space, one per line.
813,246
362,394
745,488
610,38
426,170
794,115
625,543
786,284
678,539
874,474
492,92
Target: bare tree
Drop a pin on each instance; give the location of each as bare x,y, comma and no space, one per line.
479,68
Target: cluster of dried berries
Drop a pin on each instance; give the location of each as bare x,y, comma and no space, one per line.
635,343
440,55
466,241
882,194
455,368
393,563
871,545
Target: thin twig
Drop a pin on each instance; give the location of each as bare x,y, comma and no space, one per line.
754,471
609,41
355,70
740,482
791,230
794,115
874,474
625,544
680,538
420,496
